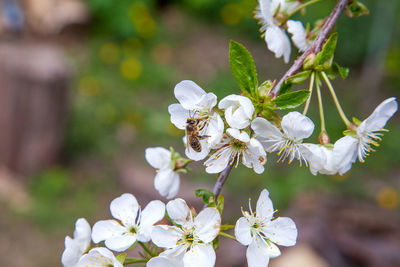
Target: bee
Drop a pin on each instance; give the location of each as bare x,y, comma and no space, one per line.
193,128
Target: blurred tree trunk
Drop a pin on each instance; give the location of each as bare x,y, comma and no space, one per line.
33,96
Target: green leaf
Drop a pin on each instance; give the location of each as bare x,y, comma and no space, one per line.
207,196
285,87
220,205
299,77
291,100
324,59
243,67
344,72
356,9
121,258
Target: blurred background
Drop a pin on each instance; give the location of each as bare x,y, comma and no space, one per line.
84,89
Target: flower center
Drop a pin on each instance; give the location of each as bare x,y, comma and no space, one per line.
237,145
133,230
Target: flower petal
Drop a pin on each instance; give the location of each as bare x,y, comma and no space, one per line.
152,213
281,231
345,153
238,134
71,254
158,157
99,257
165,236
106,229
162,261
238,110
196,156
188,94
243,232
178,211
297,126
255,156
218,161
179,115
82,234
200,255
378,119
257,253
298,32
167,183
264,128
207,224
125,208
215,129
278,42
265,208
121,243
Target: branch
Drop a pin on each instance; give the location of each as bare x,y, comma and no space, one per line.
223,177
315,46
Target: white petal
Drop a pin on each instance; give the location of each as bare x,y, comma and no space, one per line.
238,110
158,157
82,234
125,208
200,255
255,156
179,115
257,253
120,243
206,103
315,157
285,6
196,156
242,231
264,13
215,129
278,42
264,128
238,134
207,224
165,236
99,257
107,229
167,183
218,161
188,94
345,153
297,126
298,32
162,261
265,208
380,116
152,213
178,211
71,253
282,231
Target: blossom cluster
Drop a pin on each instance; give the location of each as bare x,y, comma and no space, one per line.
186,241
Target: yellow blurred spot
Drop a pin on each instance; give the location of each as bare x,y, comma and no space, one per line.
231,14
387,198
132,46
131,69
162,54
109,53
172,130
340,178
88,86
142,19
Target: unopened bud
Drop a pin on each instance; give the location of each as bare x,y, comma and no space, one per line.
324,139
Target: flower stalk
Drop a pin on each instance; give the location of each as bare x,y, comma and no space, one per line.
320,106
312,78
335,99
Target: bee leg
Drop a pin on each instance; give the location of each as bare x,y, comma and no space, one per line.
202,137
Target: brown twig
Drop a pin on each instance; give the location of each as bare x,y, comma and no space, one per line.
315,46
223,176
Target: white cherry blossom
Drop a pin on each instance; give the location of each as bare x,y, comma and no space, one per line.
132,225
299,37
79,245
275,37
237,143
99,257
289,142
259,232
238,110
322,160
194,102
167,181
189,243
361,141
